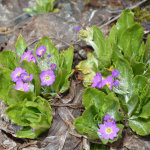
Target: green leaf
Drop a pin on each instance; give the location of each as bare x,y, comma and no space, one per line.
147,48
88,68
20,46
140,126
94,146
80,126
144,97
34,114
116,52
111,106
133,36
99,40
108,48
30,11
61,83
93,96
14,114
19,96
5,85
113,34
145,113
88,117
140,54
125,70
68,55
138,67
9,60
138,84
132,104
50,48
126,20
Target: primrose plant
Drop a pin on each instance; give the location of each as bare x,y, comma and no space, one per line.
28,80
40,6
119,72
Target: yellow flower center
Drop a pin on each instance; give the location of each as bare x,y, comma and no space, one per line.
47,77
41,51
108,130
110,120
26,77
26,58
108,85
21,89
18,74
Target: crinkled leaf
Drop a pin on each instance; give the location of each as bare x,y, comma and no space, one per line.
138,67
111,106
140,126
93,96
34,114
132,104
88,117
140,53
144,97
5,85
14,113
113,34
125,70
68,56
80,126
138,84
145,112
9,59
131,38
19,96
126,20
20,46
147,48
99,40
116,52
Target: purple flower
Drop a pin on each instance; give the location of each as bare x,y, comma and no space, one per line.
27,4
108,118
116,83
32,129
26,56
108,82
108,130
33,58
48,56
53,66
115,73
26,77
47,77
40,51
97,80
78,28
15,75
21,86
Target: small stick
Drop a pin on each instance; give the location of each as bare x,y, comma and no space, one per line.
119,14
76,105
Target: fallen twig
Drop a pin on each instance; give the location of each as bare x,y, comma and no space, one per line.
132,7
76,105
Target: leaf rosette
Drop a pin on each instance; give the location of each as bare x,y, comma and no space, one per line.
26,70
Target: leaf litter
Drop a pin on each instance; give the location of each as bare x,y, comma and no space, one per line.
61,28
